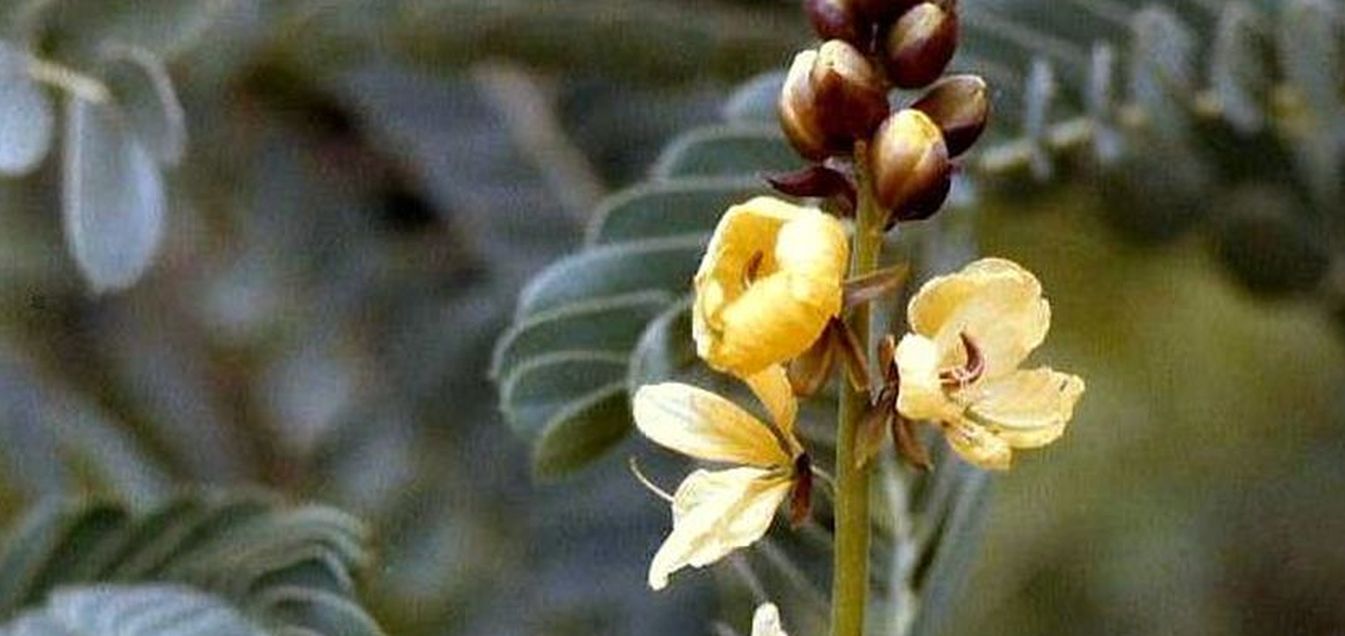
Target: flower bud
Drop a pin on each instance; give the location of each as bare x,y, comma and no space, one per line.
960,106
837,20
851,93
910,166
798,110
881,11
918,46
831,97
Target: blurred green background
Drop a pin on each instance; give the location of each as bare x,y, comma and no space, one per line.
368,184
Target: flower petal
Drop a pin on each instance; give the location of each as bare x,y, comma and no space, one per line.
701,424
773,389
715,513
769,282
978,445
766,621
921,395
996,302
1028,409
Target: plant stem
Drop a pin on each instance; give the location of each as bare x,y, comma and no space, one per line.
850,582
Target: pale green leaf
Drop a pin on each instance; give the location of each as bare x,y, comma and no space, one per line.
26,119
113,197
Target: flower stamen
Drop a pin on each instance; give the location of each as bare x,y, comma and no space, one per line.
969,372
646,482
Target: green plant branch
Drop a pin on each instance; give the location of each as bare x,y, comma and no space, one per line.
850,582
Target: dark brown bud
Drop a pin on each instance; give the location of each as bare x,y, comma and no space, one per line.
910,166
881,11
851,93
960,106
798,110
831,97
918,46
836,20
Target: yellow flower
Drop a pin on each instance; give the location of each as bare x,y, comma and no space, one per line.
972,331
718,511
766,621
769,283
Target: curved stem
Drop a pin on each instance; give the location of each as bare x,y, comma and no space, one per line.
850,582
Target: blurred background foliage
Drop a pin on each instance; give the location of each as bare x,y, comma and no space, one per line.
366,185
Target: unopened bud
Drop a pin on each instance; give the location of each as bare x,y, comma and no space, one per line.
798,110
919,45
837,20
851,93
910,167
881,11
960,106
831,97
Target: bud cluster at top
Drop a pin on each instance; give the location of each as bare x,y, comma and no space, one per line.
836,96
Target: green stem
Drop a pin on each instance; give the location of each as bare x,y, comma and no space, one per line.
850,582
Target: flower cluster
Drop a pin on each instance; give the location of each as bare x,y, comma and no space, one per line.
772,291
835,101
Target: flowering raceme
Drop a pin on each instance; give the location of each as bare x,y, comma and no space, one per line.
960,368
718,511
768,285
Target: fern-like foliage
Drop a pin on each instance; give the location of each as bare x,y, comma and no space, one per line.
1223,116
198,564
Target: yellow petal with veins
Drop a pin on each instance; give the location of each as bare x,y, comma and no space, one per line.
701,424
978,446
715,513
772,388
769,283
1028,409
996,302
766,621
921,395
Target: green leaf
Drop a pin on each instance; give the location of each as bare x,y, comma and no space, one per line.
606,324
581,432
756,100
612,270
664,209
542,387
144,92
728,151
243,553
113,197
134,610
26,119
665,349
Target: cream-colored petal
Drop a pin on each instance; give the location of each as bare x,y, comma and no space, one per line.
921,395
715,513
766,621
1027,409
772,388
769,282
996,302
978,445
698,423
